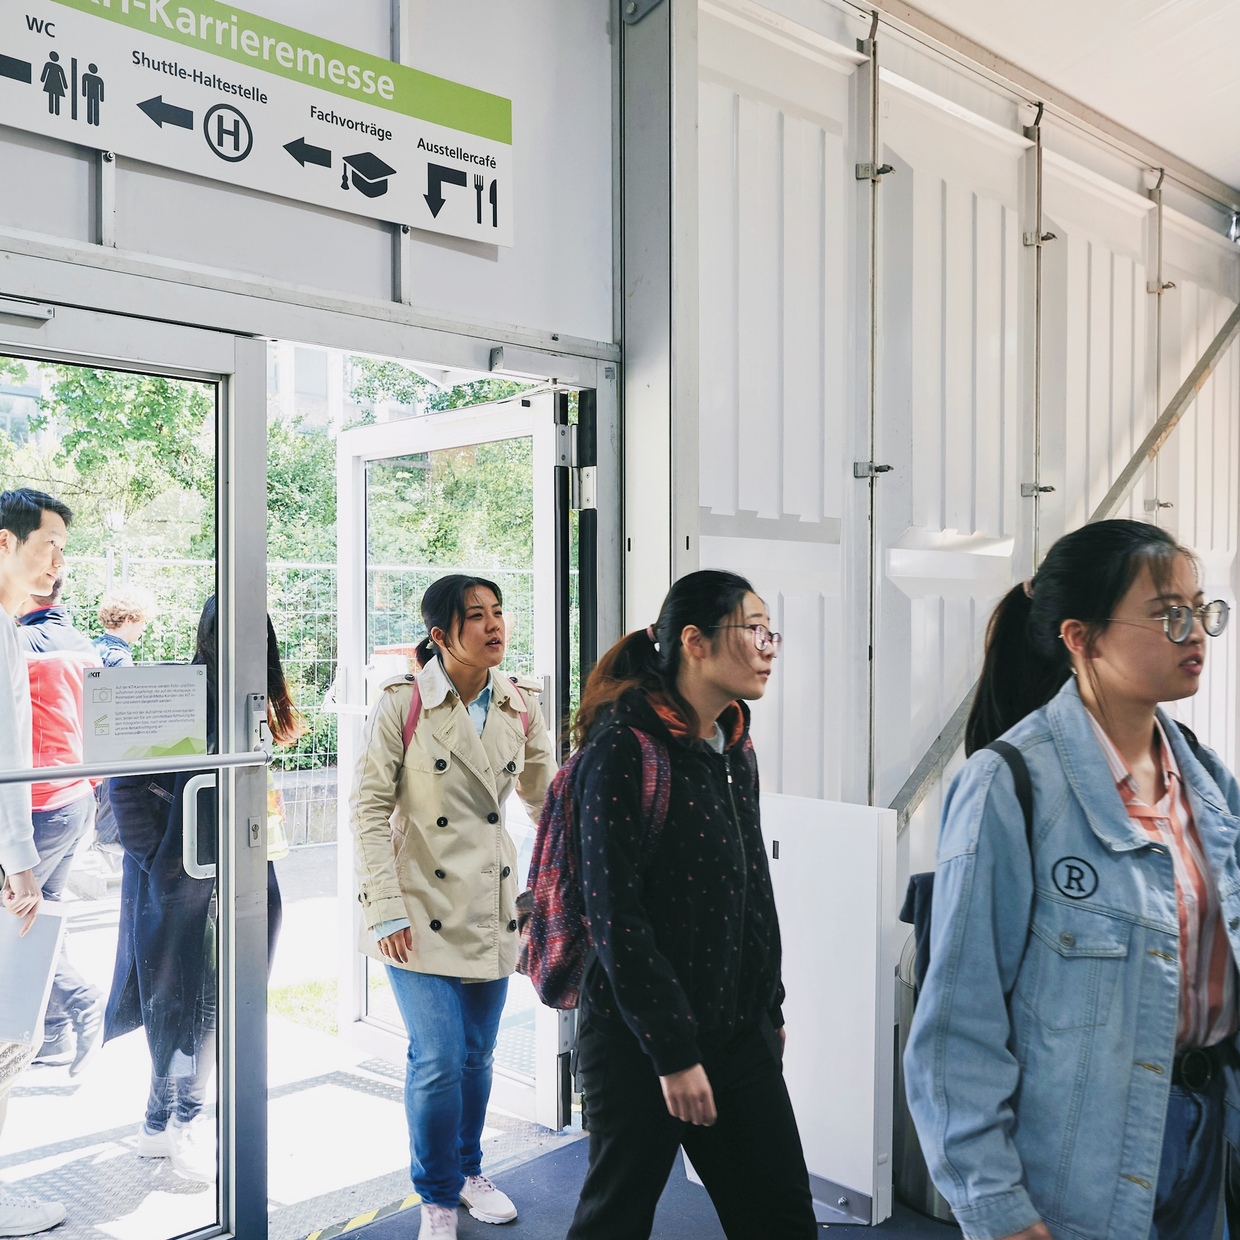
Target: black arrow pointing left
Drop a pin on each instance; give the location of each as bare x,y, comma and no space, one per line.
166,114
18,70
304,153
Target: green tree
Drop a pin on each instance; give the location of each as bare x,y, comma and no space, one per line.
131,440
301,493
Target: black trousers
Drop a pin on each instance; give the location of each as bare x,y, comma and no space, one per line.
750,1159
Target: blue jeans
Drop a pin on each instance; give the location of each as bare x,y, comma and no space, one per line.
1191,1173
452,1026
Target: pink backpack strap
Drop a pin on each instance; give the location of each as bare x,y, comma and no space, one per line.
415,713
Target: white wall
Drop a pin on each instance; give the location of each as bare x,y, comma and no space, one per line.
553,60
783,296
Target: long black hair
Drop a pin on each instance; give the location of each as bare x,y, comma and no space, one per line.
1084,576
650,658
443,607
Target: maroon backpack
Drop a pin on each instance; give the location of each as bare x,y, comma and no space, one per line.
555,945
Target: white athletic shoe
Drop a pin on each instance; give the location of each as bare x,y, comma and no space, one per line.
152,1144
24,1216
192,1149
438,1223
485,1202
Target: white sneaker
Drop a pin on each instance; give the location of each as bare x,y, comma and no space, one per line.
485,1202
153,1144
438,1223
192,1149
24,1216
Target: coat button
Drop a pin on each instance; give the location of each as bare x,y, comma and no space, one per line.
511,768
492,818
505,871
1068,940
440,874
440,764
1234,924
437,925
441,822
512,925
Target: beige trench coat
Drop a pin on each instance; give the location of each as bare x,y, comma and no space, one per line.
428,823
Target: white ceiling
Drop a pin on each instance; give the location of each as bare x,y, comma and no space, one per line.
1168,70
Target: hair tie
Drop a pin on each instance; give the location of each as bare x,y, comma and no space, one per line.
650,633
1028,586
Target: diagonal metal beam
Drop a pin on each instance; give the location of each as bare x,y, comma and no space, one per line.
932,765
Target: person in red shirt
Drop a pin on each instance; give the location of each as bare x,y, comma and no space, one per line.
63,809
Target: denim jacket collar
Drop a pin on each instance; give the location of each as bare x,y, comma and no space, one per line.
1090,778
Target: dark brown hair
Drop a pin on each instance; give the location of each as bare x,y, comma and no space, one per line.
703,599
1084,576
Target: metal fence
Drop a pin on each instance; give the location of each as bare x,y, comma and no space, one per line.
301,598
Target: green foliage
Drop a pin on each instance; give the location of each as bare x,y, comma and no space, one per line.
13,371
301,493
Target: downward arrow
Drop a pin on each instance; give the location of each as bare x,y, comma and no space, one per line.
165,113
304,153
436,175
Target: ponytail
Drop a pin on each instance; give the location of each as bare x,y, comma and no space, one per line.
1084,576
650,658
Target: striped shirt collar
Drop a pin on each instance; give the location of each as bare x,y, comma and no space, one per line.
1119,768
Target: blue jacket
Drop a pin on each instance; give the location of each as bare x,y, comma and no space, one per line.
1039,1061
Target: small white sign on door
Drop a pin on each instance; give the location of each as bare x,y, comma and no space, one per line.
131,713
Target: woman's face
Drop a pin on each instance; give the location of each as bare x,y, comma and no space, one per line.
483,635
736,665
1132,658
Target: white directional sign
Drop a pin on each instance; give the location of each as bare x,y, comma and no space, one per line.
211,90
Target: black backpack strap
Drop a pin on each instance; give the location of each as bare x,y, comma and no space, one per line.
1024,785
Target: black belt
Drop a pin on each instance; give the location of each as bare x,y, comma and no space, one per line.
1197,1066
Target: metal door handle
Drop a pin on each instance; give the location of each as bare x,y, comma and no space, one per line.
189,826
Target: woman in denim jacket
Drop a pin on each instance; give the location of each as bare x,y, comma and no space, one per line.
1070,1065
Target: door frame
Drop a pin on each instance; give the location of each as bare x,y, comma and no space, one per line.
237,365
532,414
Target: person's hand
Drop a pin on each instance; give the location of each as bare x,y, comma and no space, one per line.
689,1096
1039,1231
397,946
22,897
783,1039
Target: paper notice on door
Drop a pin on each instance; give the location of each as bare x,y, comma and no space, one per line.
132,713
27,966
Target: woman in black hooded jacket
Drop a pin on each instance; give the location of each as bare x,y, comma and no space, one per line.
681,1031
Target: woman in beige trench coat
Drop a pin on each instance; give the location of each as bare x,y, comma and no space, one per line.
437,877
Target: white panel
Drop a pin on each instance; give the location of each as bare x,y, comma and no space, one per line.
59,174
774,184
203,221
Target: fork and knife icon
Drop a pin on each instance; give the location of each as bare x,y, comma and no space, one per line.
479,184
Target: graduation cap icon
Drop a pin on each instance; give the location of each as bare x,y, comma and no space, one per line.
369,174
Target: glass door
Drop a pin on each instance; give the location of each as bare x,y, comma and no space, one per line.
143,1112
473,491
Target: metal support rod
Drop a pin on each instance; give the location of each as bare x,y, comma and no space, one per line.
872,377
1158,331
1037,346
563,568
587,538
934,762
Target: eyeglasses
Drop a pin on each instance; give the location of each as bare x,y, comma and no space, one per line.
762,636
1177,621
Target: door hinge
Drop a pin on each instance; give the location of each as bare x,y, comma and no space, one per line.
583,479
1032,238
635,10
1029,489
873,172
867,469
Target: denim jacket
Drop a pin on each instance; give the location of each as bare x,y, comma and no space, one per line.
1039,1061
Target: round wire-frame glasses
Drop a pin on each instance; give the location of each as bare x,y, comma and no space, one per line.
762,636
1177,620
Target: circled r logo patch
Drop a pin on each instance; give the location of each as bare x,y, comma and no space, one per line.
1074,878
